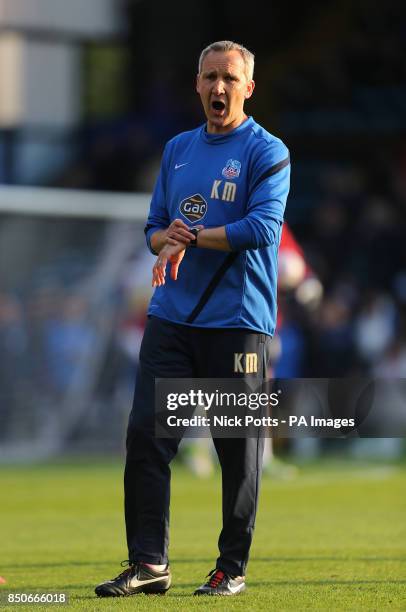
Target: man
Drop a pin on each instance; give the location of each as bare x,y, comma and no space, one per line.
216,217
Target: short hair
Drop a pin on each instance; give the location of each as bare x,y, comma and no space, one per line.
229,45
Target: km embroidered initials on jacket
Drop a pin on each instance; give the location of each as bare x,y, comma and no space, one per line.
228,191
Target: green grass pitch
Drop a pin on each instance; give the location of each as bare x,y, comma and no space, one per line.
333,538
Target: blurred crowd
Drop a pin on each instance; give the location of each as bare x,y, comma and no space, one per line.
353,76
352,237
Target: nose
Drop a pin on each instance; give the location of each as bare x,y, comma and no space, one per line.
218,87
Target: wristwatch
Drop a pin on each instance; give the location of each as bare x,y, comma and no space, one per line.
194,231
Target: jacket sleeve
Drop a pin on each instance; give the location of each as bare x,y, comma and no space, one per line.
158,217
268,192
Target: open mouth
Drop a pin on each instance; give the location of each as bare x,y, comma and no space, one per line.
218,105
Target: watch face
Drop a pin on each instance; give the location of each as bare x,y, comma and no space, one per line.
194,231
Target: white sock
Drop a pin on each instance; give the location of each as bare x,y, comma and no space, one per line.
156,568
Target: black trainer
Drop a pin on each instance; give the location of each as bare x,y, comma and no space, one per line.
138,578
220,583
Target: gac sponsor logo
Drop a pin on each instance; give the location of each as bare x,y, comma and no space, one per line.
193,208
245,363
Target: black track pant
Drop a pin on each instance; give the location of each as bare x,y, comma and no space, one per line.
170,350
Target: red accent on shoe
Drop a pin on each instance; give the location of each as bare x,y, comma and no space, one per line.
216,578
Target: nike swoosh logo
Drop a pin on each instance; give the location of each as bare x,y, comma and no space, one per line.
180,165
135,582
236,588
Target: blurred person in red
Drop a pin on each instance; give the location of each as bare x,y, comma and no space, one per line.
297,284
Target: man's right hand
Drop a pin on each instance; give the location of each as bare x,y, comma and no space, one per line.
172,254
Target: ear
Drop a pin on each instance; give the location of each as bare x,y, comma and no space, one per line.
250,88
198,84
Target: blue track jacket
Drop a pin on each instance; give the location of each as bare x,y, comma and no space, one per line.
240,180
